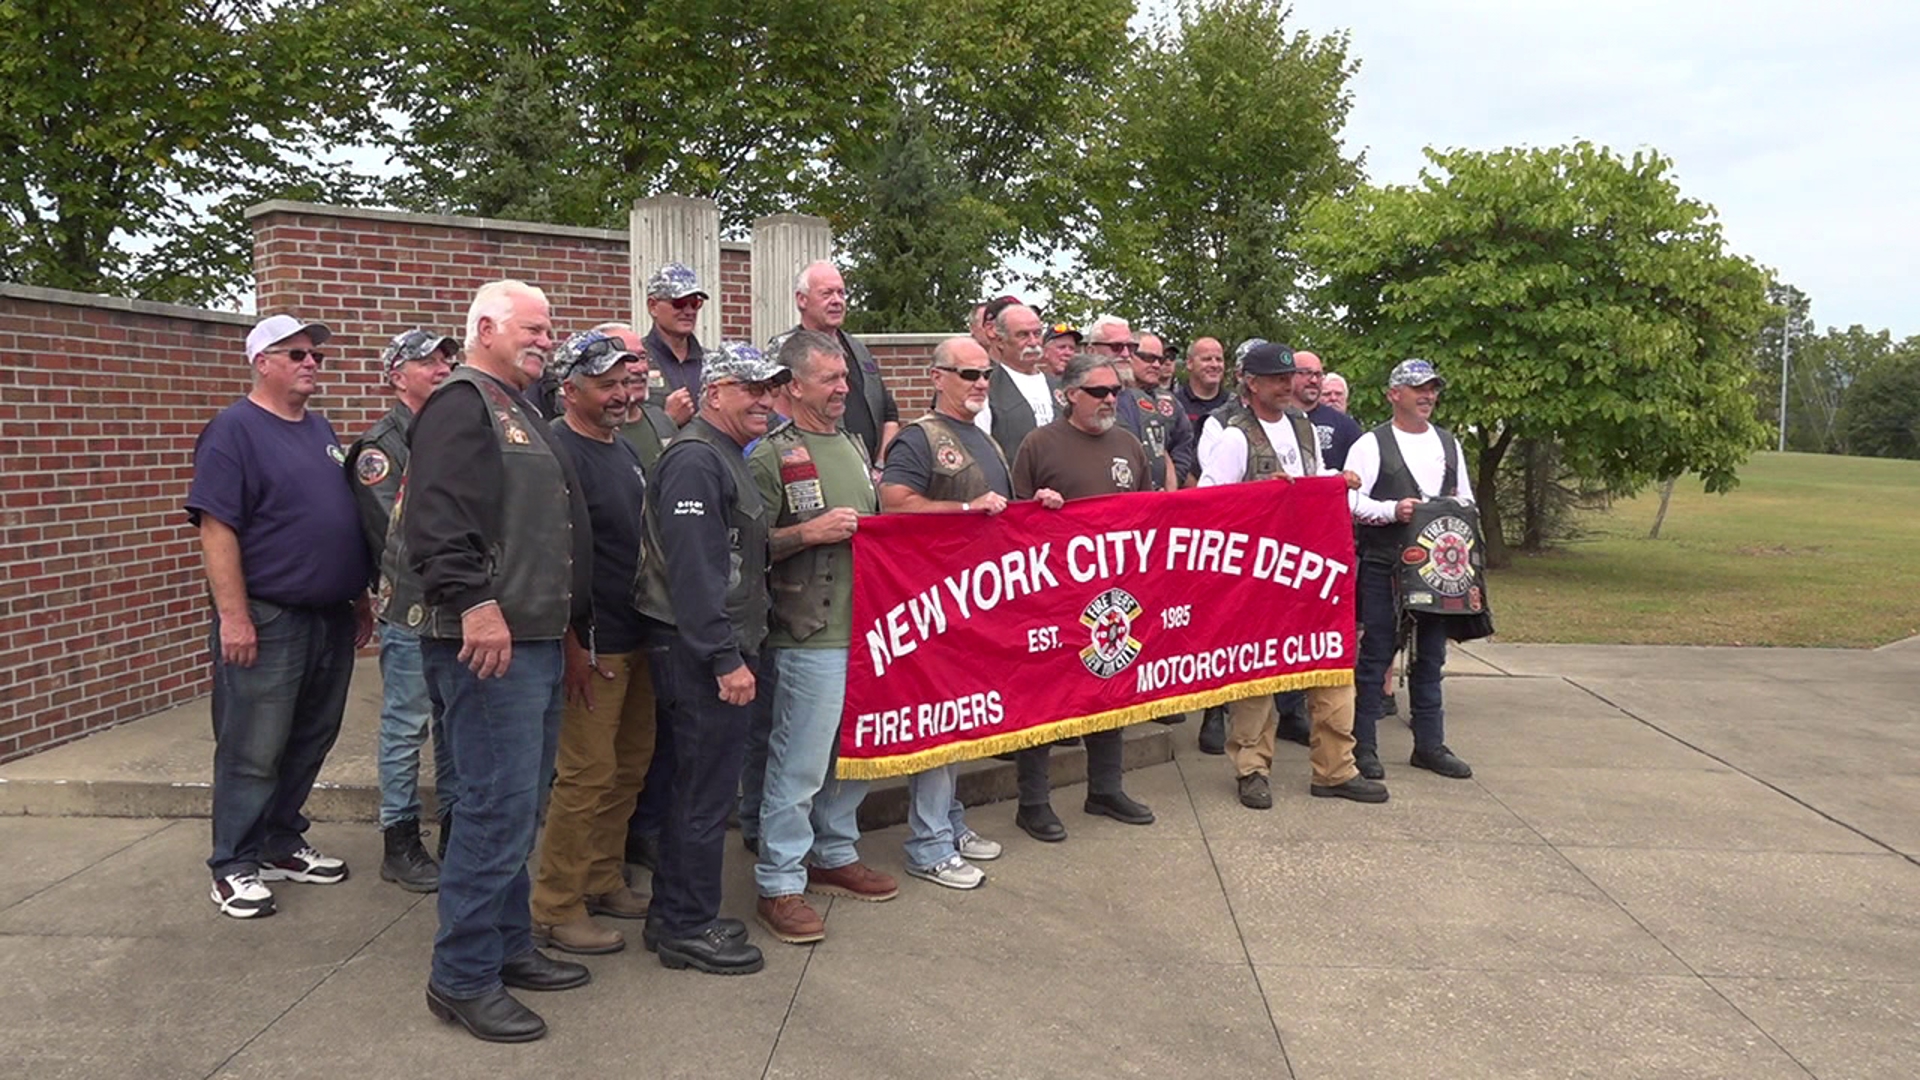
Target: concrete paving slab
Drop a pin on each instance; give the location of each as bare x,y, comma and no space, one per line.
964,1014
37,856
1696,661
106,1007
1550,722
1784,915
1463,660
1423,807
1885,806
635,1019
1342,1023
1663,808
1863,1031
1490,907
158,889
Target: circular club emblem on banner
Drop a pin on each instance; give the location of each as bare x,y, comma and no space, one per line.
1448,542
1111,645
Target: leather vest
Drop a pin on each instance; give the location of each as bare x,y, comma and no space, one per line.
956,476
1013,418
1150,427
1383,543
1263,462
799,585
376,461
747,531
530,560
651,435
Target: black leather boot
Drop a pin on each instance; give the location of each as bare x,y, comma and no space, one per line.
407,863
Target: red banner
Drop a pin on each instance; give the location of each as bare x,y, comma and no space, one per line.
976,636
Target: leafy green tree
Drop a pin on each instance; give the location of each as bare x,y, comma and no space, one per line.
133,134
1568,294
1883,408
1823,381
1222,131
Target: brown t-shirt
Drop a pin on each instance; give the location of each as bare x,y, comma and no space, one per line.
1078,465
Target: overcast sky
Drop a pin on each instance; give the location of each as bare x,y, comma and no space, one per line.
1798,122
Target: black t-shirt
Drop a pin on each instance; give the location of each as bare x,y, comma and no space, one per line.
1198,409
910,459
859,419
1336,431
616,491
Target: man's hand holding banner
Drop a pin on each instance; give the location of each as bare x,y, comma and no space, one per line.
975,636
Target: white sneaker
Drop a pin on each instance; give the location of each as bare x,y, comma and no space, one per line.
305,865
242,896
954,872
976,848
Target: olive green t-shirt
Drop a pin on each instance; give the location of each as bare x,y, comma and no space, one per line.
820,472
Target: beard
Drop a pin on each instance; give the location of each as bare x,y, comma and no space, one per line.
973,407
1105,422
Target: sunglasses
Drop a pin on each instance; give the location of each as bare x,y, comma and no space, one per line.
1116,346
1101,392
1151,358
971,374
299,356
686,303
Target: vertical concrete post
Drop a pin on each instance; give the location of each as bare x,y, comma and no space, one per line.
674,228
783,244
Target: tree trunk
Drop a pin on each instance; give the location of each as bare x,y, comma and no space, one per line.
1486,469
1536,482
1660,516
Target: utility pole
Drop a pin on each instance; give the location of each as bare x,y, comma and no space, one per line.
1786,325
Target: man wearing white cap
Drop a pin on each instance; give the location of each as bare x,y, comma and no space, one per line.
288,573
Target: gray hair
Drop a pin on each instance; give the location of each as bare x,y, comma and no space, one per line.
999,319
1083,365
803,282
798,349
495,301
1105,321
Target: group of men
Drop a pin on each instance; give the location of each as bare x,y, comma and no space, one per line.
612,577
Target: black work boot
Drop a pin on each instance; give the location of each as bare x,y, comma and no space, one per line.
407,863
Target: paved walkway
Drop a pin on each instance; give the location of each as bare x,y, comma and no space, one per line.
1669,863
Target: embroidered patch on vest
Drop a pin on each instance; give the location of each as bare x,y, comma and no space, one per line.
372,466
801,477
948,457
1166,406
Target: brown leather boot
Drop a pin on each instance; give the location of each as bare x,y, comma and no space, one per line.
856,881
621,903
581,935
791,919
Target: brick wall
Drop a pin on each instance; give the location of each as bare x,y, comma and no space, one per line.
102,615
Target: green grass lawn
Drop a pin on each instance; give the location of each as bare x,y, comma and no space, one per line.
1810,549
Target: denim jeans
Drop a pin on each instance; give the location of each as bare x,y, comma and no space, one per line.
656,794
406,714
935,818
273,724
502,733
806,814
1379,615
710,740
753,775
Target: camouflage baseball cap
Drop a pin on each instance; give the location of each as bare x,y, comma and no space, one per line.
673,281
737,361
1414,373
1240,351
416,344
1056,331
591,353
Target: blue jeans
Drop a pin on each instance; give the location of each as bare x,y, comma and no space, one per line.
502,734
1380,615
406,714
806,811
753,775
273,724
710,740
935,817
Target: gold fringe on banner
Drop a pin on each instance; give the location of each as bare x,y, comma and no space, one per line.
878,768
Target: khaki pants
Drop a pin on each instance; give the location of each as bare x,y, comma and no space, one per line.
1250,734
598,773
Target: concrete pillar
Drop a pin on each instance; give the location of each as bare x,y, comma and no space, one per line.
674,228
783,244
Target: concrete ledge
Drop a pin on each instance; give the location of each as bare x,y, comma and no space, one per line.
120,303
449,221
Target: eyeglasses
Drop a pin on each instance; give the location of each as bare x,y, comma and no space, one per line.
684,303
1310,374
1101,392
1116,346
1149,357
971,374
299,356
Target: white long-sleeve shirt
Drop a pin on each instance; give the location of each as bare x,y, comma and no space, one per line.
1223,451
1426,458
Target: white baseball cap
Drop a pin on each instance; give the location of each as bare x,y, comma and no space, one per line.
277,328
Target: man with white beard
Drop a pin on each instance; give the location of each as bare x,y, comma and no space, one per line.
1021,396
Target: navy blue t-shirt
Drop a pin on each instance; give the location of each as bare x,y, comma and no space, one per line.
280,485
1336,431
616,491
